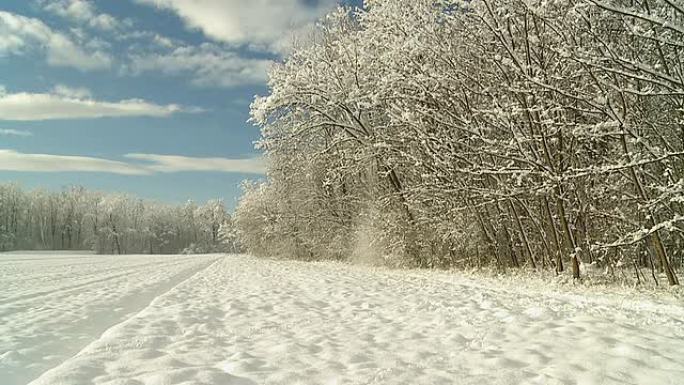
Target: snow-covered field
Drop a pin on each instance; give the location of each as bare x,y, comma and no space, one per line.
78,319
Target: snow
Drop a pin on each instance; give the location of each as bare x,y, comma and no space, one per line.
51,306
241,320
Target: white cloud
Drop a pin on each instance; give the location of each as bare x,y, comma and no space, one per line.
62,52
176,163
163,41
11,132
67,103
264,23
15,161
208,65
20,34
72,92
84,12
11,160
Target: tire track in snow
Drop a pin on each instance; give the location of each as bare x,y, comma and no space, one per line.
164,290
69,288
38,334
27,279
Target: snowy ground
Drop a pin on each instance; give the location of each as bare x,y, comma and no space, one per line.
238,320
51,306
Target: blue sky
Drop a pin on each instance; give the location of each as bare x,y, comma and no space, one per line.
149,97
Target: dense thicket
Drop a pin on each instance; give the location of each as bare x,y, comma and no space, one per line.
77,219
505,132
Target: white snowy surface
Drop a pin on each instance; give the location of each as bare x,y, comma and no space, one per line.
51,306
246,321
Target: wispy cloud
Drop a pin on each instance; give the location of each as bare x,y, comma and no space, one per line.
176,163
11,132
15,161
147,164
265,24
20,34
208,65
84,12
69,103
72,92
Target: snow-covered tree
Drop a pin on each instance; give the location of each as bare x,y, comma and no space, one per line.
78,219
517,133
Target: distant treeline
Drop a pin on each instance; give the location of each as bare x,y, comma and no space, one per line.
510,133
78,219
